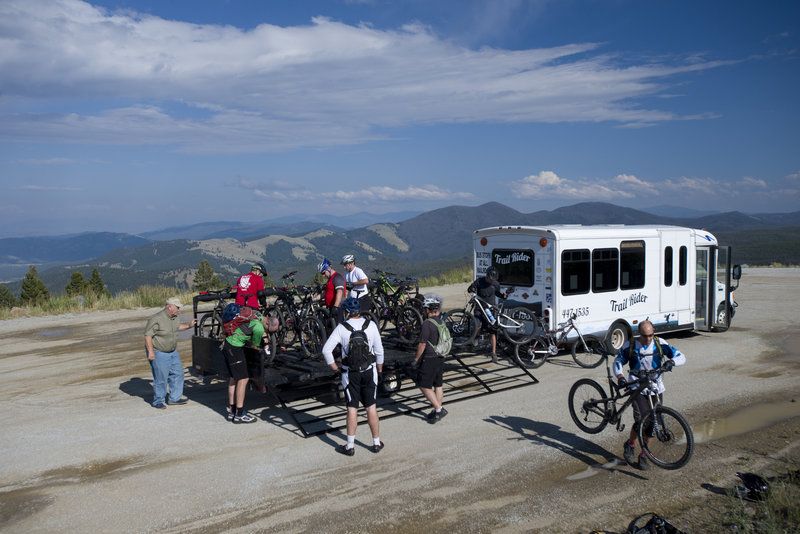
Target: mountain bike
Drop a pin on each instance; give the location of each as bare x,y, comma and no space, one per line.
210,324
664,434
587,351
297,321
463,323
394,304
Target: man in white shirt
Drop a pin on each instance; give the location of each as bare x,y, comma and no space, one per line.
359,378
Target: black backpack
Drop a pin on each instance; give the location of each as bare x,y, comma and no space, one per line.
359,358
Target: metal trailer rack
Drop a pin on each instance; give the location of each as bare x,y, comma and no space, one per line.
310,392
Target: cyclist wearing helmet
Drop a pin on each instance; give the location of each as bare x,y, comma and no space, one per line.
248,286
430,365
360,386
488,289
334,289
357,281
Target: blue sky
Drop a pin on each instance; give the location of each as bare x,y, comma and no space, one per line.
129,116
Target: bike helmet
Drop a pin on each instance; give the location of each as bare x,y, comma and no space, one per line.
432,301
352,306
259,267
348,258
323,265
492,273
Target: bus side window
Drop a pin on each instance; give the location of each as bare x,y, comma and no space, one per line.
605,269
575,272
631,265
682,259
668,266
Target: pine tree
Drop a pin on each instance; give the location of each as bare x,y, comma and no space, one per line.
77,285
97,286
205,279
33,290
7,299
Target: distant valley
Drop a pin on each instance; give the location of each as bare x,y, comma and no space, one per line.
423,244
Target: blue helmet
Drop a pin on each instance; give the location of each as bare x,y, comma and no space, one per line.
352,306
323,266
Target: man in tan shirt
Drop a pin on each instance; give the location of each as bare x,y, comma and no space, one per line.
161,342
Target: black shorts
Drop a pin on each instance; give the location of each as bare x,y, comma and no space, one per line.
429,374
235,361
360,387
641,406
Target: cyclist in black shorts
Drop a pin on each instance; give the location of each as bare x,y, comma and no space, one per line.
488,289
430,365
359,386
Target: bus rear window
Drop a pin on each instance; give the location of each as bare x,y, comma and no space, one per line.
514,265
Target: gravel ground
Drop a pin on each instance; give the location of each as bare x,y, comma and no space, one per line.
84,452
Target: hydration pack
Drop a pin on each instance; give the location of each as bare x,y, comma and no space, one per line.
445,343
235,316
359,358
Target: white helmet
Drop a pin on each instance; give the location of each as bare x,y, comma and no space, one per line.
348,258
432,301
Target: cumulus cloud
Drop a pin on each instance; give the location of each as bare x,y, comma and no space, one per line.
130,78
547,185
277,190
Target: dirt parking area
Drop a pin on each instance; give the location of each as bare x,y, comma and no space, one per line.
83,450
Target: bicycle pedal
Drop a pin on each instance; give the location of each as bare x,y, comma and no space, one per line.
620,427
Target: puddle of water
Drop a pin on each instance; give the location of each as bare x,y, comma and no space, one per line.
54,332
591,471
746,420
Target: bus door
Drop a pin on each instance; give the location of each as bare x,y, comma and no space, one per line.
718,292
669,283
703,267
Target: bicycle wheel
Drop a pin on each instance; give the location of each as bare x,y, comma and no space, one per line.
463,327
409,324
211,325
666,438
283,336
590,358
587,406
532,353
514,331
312,336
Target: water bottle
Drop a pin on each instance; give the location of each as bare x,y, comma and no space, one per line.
489,315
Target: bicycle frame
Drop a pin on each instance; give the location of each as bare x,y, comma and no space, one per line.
475,302
647,381
556,338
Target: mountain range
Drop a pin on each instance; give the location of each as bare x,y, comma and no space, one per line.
422,244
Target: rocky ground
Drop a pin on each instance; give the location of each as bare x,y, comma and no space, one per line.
83,451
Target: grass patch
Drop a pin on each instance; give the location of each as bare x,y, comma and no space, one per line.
779,513
142,297
456,275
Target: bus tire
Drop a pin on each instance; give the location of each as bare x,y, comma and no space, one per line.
617,335
723,318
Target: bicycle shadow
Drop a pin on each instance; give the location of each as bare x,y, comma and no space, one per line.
553,436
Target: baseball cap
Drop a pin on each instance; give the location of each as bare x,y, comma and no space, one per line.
175,301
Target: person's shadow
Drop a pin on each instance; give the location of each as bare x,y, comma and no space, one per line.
553,436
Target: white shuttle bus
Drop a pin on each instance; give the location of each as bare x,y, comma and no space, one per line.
612,277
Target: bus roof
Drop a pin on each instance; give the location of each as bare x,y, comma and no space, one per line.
578,231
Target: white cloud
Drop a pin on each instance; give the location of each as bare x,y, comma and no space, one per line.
547,185
389,194
33,187
220,89
277,190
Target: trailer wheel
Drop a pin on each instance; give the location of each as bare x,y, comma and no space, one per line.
617,335
392,380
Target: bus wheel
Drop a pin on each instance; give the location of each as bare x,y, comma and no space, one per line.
617,336
723,318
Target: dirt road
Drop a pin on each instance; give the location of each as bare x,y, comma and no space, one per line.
83,451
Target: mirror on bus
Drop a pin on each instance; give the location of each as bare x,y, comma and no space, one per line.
737,272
